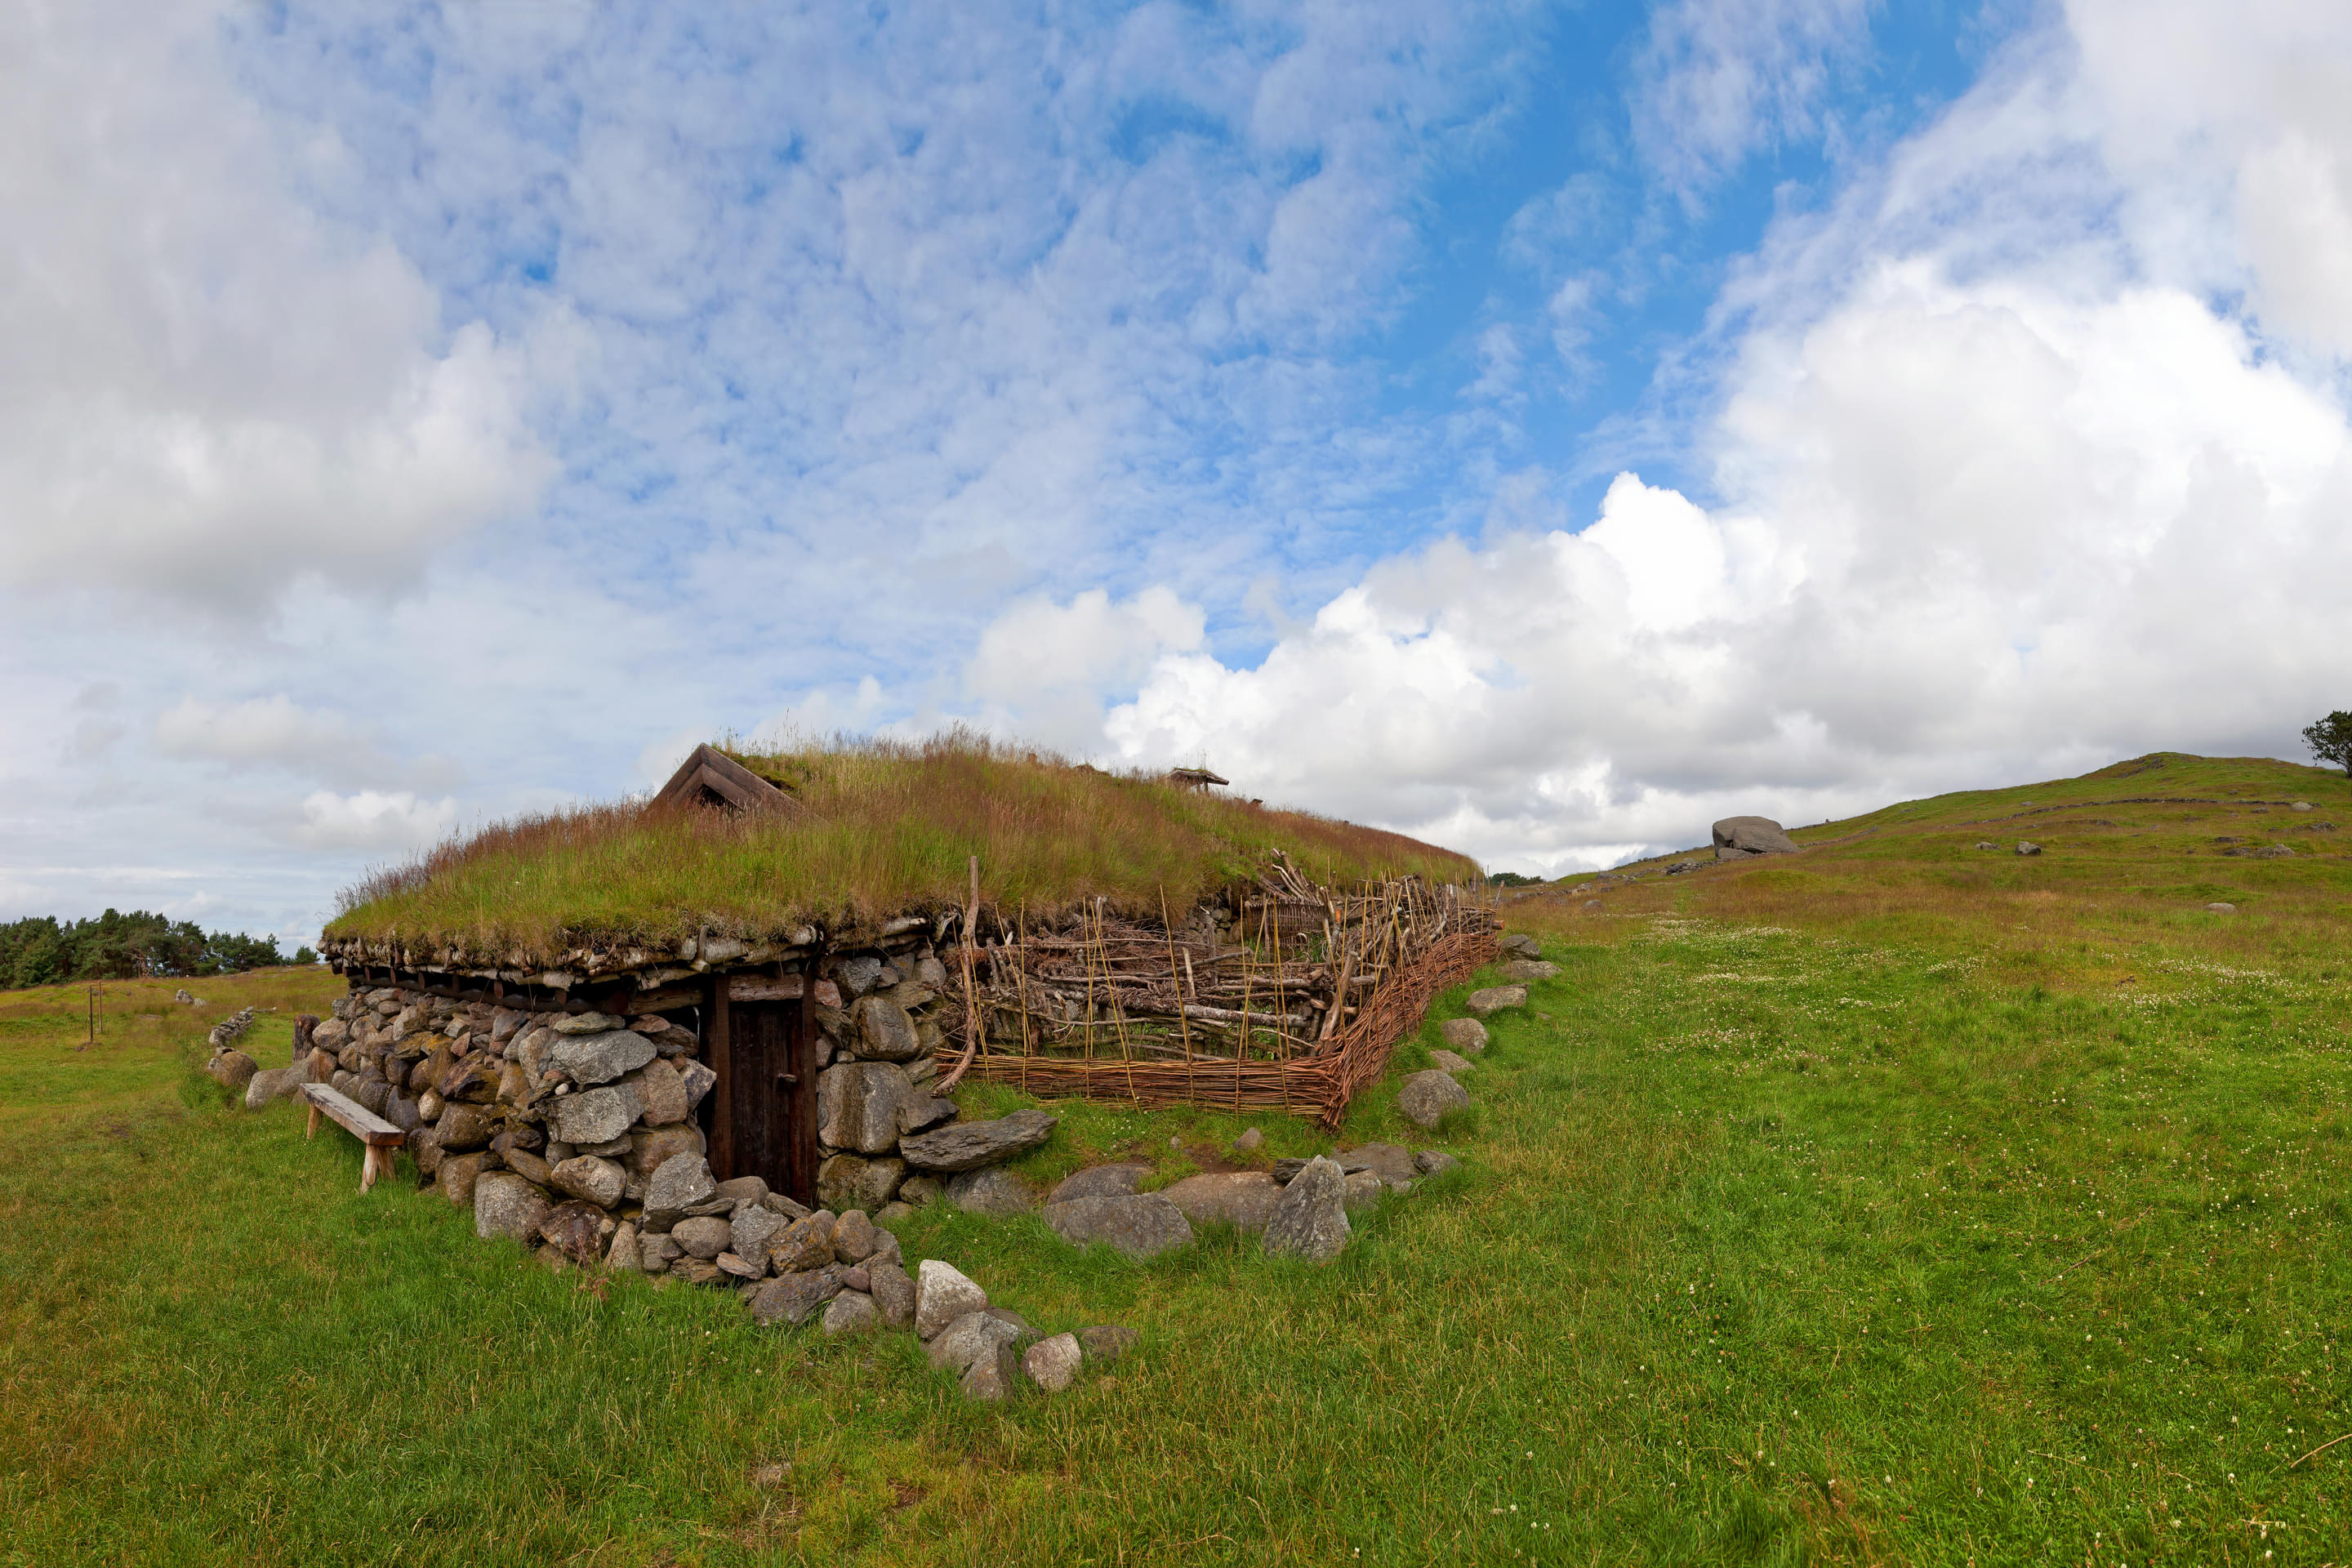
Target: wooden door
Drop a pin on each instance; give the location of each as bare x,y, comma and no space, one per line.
768,1099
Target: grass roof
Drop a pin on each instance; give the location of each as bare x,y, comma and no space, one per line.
884,828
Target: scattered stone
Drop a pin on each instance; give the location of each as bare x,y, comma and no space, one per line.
682,1182
1683,867
944,1294
1518,945
993,1191
233,1069
1361,1190
1098,1182
967,1145
2300,805
1467,1036
894,1294
704,1236
504,1205
1243,1199
2025,847
586,1176
1987,844
700,1271
1143,1226
1052,1363
2221,908
1495,998
969,1337
1434,1161
1249,1142
577,1229
993,1377
795,1298
854,1238
1311,1220
595,1115
852,1312
1390,1162
183,996
1108,1341
1528,969
1742,836
1427,1097
1446,1061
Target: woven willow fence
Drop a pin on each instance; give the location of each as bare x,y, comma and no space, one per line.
1296,1008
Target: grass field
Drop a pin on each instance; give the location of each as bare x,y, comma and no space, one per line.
1898,1202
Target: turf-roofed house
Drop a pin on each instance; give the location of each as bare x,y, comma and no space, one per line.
783,963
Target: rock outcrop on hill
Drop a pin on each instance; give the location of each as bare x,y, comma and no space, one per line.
1735,837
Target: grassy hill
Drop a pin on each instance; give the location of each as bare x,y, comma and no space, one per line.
1896,1202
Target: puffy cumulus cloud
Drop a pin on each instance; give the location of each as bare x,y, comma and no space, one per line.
209,389
1982,531
1042,669
374,820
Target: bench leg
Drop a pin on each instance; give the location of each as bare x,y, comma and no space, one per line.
374,1166
312,1129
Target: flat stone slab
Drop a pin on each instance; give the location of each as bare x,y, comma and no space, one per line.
1141,1226
1524,969
1496,998
1390,1162
1243,1199
1446,1061
967,1145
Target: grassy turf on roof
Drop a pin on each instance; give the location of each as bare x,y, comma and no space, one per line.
884,828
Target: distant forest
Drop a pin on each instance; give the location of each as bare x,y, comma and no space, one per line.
43,951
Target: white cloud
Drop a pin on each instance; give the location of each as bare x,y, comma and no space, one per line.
374,820
209,390
261,730
1720,79
1042,669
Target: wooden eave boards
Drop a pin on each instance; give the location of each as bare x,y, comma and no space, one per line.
731,781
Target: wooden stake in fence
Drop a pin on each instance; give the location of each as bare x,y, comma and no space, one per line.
972,1024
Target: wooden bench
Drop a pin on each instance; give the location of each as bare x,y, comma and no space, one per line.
376,1135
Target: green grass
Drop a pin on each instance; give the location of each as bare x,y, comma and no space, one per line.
1890,1234
883,829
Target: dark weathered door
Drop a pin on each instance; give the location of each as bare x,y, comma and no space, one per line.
772,1106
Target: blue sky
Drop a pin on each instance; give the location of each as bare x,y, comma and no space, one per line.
1545,428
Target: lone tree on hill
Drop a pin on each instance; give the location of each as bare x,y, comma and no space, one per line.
2330,740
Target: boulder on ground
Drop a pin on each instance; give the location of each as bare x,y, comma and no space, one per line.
1426,1097
1243,1199
851,1313
1249,1142
1362,1190
1052,1363
2221,908
1740,836
1433,1162
1496,998
793,1298
967,1145
1518,945
944,1294
1522,970
894,1294
231,1069
1467,1036
993,1377
1311,1220
971,1337
1446,1061
993,1191
1099,1181
2027,846
1390,1162
1107,1341
1142,1225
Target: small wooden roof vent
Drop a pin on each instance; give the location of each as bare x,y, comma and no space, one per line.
710,777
